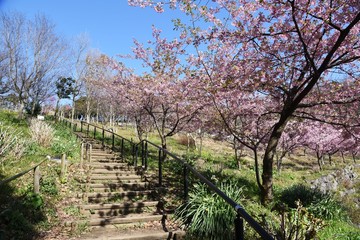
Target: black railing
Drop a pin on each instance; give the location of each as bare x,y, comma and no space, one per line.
134,149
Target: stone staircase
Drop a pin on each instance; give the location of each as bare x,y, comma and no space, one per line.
120,197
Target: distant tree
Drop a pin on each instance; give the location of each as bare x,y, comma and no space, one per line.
64,89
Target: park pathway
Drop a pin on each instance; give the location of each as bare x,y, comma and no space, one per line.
120,202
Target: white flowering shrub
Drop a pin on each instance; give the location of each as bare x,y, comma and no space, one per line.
41,132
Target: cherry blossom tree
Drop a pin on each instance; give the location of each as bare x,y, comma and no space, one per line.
281,49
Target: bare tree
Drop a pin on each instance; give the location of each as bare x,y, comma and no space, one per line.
80,49
34,56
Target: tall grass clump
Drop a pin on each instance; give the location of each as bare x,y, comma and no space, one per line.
41,132
206,215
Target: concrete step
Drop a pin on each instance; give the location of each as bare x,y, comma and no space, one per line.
115,209
97,164
115,176
119,196
124,219
118,205
111,187
155,235
123,171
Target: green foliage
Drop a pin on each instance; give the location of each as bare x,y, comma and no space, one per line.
33,112
327,208
321,205
65,142
207,215
48,185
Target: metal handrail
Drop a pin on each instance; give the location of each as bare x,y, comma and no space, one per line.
241,213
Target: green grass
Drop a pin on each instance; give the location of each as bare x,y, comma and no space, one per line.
24,213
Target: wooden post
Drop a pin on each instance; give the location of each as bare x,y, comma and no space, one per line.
37,180
63,166
82,155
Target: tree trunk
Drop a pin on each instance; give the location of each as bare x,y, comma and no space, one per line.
354,157
73,110
342,156
57,110
268,160
319,158
201,142
87,111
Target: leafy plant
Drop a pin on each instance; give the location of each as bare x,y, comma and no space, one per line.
207,215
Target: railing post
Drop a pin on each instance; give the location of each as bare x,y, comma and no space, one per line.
239,227
143,154
63,166
82,155
136,154
146,155
37,180
88,130
113,142
160,167
122,148
81,126
103,138
186,183
94,132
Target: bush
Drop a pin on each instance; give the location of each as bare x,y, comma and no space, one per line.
320,204
207,215
41,132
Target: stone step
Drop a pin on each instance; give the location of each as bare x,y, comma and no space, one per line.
109,165
109,173
124,171
124,219
103,206
118,196
148,233
110,187
102,210
115,176
154,235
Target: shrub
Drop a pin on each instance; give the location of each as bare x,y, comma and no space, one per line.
207,215
12,144
322,205
41,132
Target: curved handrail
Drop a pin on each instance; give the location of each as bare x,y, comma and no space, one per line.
21,173
237,207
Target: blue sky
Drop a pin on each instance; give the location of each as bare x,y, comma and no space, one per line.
110,24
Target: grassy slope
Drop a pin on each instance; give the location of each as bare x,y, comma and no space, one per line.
22,213
217,163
